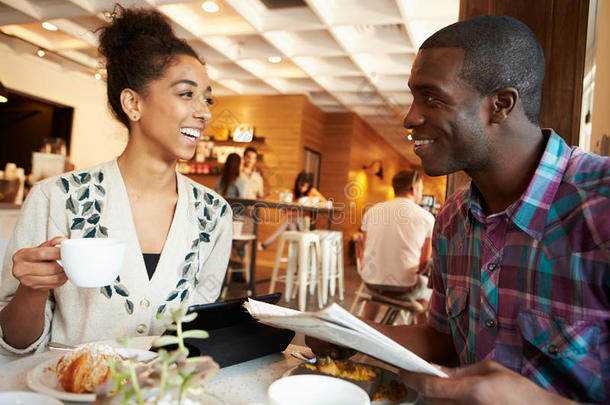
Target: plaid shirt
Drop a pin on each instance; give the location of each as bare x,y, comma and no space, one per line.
530,287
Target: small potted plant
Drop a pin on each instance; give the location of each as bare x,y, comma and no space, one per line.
171,379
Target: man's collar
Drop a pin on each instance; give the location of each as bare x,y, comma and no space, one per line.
531,210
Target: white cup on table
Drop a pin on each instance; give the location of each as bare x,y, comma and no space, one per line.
307,389
92,262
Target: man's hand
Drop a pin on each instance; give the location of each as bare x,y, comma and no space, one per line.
481,383
325,349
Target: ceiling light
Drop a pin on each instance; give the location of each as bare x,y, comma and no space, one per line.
210,6
98,76
49,26
40,53
275,59
3,94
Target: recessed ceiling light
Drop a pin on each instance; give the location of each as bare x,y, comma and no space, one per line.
40,53
275,59
210,6
49,26
98,76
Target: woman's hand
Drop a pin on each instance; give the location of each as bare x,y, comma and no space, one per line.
36,268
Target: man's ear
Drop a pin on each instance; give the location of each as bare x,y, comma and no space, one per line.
131,104
502,102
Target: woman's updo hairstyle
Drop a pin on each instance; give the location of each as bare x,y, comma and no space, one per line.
138,45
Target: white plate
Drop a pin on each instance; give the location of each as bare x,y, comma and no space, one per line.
42,377
386,377
26,398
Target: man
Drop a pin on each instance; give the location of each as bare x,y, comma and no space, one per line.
397,246
521,255
253,178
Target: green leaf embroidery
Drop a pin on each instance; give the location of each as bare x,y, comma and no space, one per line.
100,176
103,230
216,203
197,204
204,237
74,180
83,193
223,210
85,178
184,295
106,291
202,224
172,296
213,226
180,282
195,243
89,233
70,205
185,270
189,256
94,219
206,213
129,307
64,184
161,309
209,198
87,206
195,193
118,279
100,190
121,290
77,224
98,206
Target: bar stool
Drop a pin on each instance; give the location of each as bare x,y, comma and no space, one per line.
249,240
331,243
303,261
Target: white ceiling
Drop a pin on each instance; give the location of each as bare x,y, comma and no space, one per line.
346,55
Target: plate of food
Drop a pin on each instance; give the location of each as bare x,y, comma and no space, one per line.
75,375
383,386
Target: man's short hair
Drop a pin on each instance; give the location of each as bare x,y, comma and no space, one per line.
403,181
250,149
500,52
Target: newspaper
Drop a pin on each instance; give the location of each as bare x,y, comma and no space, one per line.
336,325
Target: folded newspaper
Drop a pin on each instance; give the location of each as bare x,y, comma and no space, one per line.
336,325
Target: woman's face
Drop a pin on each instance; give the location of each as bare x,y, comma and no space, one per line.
303,186
175,109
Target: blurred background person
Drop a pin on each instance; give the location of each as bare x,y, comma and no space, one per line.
397,244
252,175
231,184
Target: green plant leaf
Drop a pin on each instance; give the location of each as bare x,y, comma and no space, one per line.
196,334
189,317
166,340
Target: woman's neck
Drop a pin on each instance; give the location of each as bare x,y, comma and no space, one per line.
145,174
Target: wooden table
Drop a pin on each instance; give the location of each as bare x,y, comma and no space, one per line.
244,206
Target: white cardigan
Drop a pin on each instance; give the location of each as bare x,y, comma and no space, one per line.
94,203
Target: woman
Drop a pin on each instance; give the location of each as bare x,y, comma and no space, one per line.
302,188
159,89
231,184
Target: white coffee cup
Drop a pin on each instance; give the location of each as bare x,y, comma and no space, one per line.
307,389
92,262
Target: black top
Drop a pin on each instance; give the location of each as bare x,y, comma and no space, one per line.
151,260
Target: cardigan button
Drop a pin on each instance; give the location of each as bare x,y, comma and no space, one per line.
144,303
141,328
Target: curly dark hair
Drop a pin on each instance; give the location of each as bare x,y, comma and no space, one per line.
138,45
501,51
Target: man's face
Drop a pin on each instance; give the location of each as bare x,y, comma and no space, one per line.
446,114
249,159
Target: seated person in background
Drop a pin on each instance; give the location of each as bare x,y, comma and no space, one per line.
521,255
230,183
302,188
251,175
159,90
397,244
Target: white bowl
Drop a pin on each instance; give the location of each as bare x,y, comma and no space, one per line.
26,398
316,389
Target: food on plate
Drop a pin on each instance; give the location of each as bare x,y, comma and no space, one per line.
393,391
366,377
83,369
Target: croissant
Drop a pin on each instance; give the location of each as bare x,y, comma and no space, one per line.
84,369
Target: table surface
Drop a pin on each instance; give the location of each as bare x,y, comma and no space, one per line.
241,384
